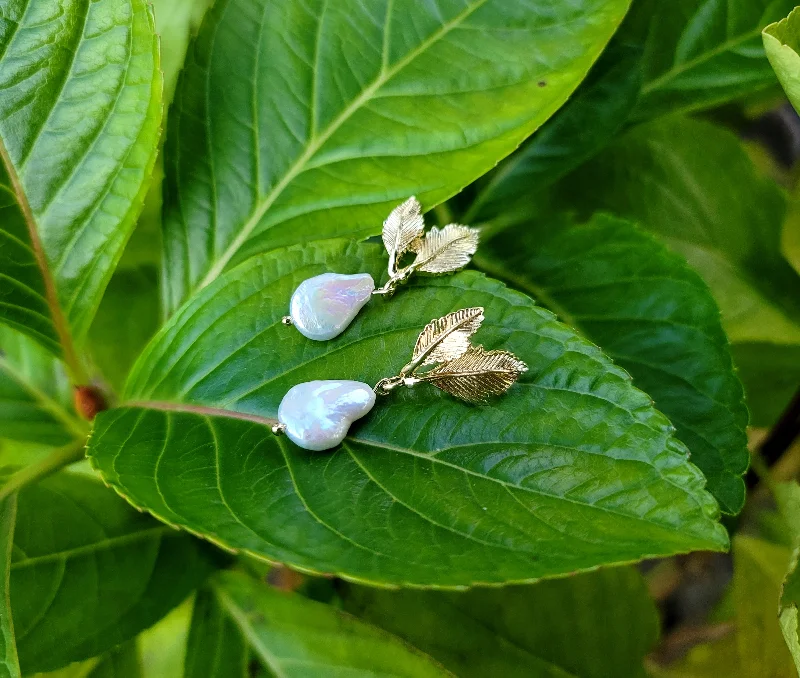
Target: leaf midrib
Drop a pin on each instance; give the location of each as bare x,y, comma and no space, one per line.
316,143
51,296
106,544
692,63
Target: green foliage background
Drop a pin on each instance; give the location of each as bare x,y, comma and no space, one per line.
171,173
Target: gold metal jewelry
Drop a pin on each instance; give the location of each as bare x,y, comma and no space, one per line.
468,372
317,415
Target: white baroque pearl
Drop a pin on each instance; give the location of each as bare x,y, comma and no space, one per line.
323,306
318,414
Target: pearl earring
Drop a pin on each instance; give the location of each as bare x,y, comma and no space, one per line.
323,306
316,415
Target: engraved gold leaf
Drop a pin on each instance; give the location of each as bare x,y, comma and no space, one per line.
402,227
477,374
445,250
447,338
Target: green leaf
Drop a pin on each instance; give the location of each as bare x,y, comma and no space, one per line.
571,469
176,22
121,662
291,636
704,53
595,625
653,315
163,646
788,497
755,646
295,122
759,568
9,663
583,127
216,647
79,125
89,572
127,319
771,375
34,394
666,176
782,42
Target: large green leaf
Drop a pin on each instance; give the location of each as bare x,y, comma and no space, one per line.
34,394
573,468
291,636
703,53
666,175
79,125
583,127
9,663
89,572
653,315
782,43
321,117
595,625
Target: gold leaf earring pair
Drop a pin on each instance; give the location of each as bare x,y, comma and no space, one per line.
323,306
317,415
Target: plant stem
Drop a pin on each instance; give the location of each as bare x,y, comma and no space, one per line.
75,365
59,458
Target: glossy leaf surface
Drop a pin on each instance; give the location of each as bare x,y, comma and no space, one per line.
80,110
666,176
782,43
89,572
582,128
594,625
295,637
34,394
653,315
9,662
570,469
703,53
294,122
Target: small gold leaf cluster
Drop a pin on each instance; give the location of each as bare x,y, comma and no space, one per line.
441,250
461,369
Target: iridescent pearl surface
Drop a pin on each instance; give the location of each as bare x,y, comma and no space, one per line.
323,306
318,414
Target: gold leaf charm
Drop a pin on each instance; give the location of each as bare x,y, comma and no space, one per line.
461,369
477,375
401,228
445,250
441,250
446,338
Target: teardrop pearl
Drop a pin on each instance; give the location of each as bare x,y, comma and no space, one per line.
323,306
318,414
